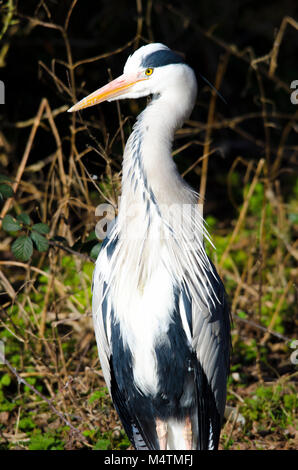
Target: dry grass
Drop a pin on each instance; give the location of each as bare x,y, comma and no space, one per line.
52,376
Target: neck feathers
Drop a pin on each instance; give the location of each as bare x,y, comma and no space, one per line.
159,220
149,172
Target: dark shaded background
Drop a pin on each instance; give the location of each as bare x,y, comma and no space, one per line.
249,27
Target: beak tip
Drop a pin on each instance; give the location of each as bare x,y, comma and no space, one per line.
70,110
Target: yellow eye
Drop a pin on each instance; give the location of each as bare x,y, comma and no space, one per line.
149,71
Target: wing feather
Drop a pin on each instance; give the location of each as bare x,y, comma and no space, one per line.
102,312
210,326
211,341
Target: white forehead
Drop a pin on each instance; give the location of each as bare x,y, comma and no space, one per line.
134,61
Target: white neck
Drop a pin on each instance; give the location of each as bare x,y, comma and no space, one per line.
152,225
148,166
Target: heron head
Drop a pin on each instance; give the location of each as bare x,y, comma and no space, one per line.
153,69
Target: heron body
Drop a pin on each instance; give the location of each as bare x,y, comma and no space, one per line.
160,314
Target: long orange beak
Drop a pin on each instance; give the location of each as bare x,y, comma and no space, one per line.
112,90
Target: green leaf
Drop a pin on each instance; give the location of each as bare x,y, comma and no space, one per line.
41,228
102,444
41,242
5,191
26,423
41,442
23,217
293,218
10,225
97,395
22,248
242,314
91,236
95,250
5,380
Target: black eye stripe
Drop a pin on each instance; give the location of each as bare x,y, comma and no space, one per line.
161,58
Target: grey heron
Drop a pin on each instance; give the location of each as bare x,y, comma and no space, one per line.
160,312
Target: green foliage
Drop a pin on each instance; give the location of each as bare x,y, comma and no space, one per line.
103,444
41,228
6,404
270,402
46,441
41,242
24,218
22,247
107,441
95,250
98,395
242,314
5,380
73,279
94,245
256,200
10,224
6,190
26,423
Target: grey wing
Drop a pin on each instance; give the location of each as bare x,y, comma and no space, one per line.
211,341
210,337
101,312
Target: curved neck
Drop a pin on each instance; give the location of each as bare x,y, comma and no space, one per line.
149,172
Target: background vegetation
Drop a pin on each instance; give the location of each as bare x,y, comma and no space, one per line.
55,168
